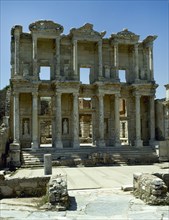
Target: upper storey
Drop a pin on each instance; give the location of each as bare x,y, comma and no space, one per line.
65,55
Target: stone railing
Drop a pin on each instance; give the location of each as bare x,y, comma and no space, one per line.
151,189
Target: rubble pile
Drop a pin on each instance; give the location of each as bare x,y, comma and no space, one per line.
58,198
150,189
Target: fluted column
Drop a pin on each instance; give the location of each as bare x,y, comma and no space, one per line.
138,141
117,120
35,138
16,127
152,120
58,141
136,62
100,59
57,57
75,117
75,60
34,49
116,61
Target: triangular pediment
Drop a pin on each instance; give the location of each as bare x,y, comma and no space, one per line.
86,31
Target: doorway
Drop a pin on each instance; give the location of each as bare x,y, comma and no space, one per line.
46,133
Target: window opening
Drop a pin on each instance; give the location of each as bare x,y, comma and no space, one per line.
122,75
45,105
44,73
85,103
85,75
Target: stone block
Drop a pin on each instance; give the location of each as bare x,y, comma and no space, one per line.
6,191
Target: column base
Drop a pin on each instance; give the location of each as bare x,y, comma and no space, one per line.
138,143
76,144
58,144
117,143
34,145
100,143
152,142
15,158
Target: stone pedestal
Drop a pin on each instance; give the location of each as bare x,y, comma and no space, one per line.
138,143
15,157
47,164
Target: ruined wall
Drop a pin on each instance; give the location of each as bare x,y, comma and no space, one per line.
23,187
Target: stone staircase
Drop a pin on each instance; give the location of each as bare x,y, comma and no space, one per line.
90,156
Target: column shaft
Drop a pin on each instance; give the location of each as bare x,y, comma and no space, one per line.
150,52
75,121
35,142
57,57
75,61
17,41
100,58
101,141
117,120
35,69
136,62
138,141
116,61
152,120
16,127
58,142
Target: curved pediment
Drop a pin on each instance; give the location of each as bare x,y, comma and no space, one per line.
46,26
86,31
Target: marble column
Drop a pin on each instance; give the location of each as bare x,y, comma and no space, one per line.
15,159
166,122
58,141
57,58
16,127
117,120
116,61
35,67
100,59
111,130
150,58
101,141
75,60
75,118
35,138
138,141
152,121
17,41
136,62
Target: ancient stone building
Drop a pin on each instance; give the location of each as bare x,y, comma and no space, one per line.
115,107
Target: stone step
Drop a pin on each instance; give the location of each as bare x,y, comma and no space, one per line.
121,155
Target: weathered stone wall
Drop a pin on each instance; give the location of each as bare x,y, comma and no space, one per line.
150,189
23,187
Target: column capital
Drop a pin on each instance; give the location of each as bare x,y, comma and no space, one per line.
15,93
35,93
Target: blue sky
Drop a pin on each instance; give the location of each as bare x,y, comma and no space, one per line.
141,17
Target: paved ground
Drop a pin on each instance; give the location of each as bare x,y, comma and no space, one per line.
95,195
